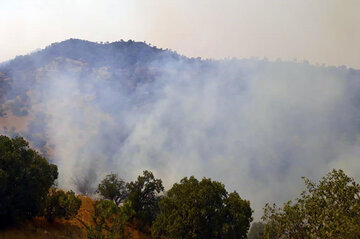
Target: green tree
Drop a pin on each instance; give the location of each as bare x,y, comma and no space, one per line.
25,180
256,230
110,221
60,204
193,209
144,197
113,188
329,209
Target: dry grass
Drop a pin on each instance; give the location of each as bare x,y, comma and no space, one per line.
39,228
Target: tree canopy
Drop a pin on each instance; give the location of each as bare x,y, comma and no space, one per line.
329,209
144,196
113,188
193,209
25,180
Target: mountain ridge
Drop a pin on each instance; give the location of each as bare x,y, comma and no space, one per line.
68,48
130,51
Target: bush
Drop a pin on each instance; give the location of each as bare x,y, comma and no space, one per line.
110,221
60,204
329,209
193,209
25,180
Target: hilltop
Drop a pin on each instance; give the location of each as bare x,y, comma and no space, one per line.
116,54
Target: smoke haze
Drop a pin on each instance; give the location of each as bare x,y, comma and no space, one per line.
255,125
321,31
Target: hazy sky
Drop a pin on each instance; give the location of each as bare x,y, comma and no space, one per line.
321,31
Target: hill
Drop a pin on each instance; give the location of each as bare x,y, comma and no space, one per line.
94,108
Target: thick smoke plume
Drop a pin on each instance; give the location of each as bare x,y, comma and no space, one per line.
255,125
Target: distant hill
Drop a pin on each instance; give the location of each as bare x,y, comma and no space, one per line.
126,65
116,54
95,108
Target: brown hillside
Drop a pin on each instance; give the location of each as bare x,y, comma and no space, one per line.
39,228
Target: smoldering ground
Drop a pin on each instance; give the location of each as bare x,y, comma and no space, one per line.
256,126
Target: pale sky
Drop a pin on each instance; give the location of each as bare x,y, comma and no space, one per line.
320,31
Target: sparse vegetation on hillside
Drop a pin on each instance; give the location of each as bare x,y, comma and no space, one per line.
60,204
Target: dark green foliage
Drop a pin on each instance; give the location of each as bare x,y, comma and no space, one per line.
144,197
256,230
110,221
113,188
330,209
193,209
136,203
104,216
60,204
238,216
25,180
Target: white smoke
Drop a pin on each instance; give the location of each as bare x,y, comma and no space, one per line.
256,126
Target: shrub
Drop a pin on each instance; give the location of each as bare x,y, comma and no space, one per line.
25,180
60,204
329,209
110,221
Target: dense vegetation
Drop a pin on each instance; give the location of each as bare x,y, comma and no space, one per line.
190,209
134,203
27,190
202,209
25,182
329,209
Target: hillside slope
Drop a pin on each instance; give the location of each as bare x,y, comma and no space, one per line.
39,228
256,125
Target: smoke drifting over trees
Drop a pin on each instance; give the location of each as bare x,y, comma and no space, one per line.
256,125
